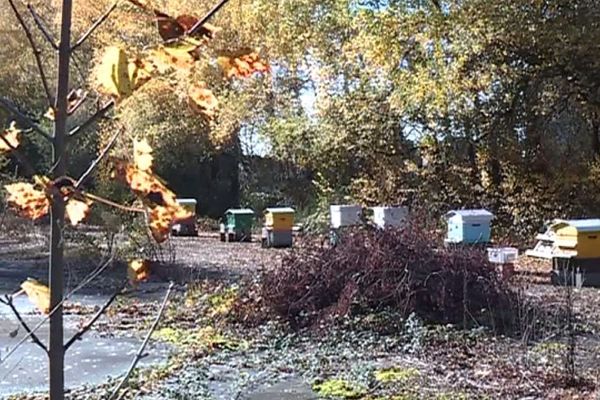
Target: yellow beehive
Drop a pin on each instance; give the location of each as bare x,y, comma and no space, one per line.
579,236
280,218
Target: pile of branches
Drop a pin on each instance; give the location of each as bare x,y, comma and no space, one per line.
400,269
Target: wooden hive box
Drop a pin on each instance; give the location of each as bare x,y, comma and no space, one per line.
279,218
469,226
579,237
344,215
385,217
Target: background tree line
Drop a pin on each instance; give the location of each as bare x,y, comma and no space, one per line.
434,104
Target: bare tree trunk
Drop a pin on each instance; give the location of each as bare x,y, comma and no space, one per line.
57,213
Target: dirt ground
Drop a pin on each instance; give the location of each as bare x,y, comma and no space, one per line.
215,358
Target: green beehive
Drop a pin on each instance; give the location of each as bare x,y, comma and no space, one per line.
237,225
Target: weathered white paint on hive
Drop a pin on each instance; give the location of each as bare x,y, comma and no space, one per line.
385,217
345,215
502,255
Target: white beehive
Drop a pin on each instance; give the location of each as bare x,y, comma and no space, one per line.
385,217
345,215
503,255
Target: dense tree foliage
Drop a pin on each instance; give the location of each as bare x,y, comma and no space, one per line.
440,104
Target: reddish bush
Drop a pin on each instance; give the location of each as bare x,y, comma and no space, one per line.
400,269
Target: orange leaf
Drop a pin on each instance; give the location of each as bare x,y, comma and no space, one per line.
161,218
28,201
142,155
203,101
243,64
10,135
163,209
159,221
138,270
38,294
76,211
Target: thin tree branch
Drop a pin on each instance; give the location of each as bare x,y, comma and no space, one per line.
8,300
22,118
95,25
39,22
20,157
208,16
43,27
84,282
140,352
110,203
79,102
101,156
36,51
95,318
91,120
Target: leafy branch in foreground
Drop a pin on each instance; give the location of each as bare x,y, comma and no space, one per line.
118,75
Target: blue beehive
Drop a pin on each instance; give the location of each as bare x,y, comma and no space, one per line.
469,226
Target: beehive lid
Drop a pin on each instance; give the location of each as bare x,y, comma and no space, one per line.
347,207
582,225
280,210
470,214
240,211
188,202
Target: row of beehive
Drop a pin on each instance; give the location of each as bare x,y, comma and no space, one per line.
277,231
464,226
565,238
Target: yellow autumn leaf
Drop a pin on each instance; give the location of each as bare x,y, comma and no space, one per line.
181,56
50,114
142,155
38,294
138,270
139,72
76,211
10,135
113,74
